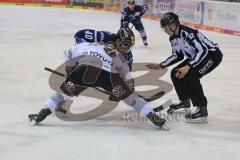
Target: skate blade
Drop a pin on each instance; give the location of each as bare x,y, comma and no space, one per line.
164,128
181,111
33,122
197,120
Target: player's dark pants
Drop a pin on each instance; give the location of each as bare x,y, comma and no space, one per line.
138,24
88,76
190,87
140,28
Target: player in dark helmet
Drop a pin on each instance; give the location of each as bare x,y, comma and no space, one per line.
125,39
202,57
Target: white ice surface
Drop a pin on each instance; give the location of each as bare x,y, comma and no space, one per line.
34,37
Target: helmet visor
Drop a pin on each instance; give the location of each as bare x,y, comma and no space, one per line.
124,46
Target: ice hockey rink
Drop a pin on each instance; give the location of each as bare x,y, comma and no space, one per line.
34,37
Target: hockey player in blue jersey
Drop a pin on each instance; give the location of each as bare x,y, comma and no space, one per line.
132,14
90,35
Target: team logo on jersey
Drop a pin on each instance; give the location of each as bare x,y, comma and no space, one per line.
70,86
117,91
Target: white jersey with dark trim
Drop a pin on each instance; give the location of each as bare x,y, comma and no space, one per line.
90,54
189,43
96,54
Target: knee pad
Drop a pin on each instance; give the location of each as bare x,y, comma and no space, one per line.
142,33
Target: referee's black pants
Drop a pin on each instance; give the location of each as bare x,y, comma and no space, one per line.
190,87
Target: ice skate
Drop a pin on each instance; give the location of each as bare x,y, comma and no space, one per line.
145,42
156,120
37,118
182,107
197,115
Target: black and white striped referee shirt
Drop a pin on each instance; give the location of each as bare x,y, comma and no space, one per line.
189,43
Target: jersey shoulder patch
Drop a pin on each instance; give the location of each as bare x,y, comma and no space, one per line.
188,33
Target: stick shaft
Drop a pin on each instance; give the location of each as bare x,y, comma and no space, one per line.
53,71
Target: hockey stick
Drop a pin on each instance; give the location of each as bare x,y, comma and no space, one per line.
163,106
53,71
153,97
148,99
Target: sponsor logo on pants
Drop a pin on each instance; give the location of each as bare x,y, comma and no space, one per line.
206,67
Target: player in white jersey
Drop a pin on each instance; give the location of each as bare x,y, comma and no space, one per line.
99,66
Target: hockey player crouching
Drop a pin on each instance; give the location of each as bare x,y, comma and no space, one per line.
94,65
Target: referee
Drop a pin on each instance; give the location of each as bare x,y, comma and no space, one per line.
202,56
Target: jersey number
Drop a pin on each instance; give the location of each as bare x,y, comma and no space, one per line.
89,35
